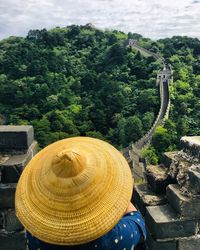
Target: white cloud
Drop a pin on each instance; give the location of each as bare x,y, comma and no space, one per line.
151,18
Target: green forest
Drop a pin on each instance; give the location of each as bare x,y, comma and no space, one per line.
82,81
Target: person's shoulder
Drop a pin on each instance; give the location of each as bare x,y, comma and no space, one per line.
134,218
127,233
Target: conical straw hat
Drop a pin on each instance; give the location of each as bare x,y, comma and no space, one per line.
73,191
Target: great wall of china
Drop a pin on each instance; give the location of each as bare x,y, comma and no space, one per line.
164,78
170,197
169,200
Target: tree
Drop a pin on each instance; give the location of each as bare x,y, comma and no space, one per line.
150,155
77,80
133,128
161,140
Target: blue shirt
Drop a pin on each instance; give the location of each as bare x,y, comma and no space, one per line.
125,235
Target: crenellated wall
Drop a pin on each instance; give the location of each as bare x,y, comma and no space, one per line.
17,147
164,77
170,200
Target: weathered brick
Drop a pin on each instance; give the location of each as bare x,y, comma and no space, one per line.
158,178
168,158
143,196
189,243
160,244
191,146
12,241
188,207
12,168
15,138
11,221
7,195
194,179
163,222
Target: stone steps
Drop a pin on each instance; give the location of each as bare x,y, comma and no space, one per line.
188,207
158,178
170,200
168,158
143,196
164,223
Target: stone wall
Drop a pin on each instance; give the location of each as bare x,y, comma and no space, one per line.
17,147
170,200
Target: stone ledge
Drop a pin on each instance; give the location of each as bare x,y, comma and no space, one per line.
13,166
15,139
188,207
158,178
143,196
169,157
163,222
191,146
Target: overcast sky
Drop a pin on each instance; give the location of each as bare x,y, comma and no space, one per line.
151,18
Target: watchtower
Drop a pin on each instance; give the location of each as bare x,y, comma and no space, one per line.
165,75
132,42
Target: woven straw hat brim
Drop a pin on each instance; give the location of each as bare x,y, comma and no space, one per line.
74,210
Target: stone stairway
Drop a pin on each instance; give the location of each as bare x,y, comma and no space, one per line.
170,200
17,147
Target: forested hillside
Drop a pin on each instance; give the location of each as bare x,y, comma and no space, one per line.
80,80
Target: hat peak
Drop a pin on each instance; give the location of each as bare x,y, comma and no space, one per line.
68,163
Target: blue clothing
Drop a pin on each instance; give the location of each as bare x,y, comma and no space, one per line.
125,235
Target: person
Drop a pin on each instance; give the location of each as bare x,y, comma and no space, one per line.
75,194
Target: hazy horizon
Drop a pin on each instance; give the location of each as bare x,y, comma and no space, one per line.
149,18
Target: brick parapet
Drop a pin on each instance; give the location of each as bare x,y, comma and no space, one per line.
170,200
17,147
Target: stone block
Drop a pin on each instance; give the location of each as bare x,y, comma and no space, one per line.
1,219
190,243
194,178
188,207
143,196
163,222
158,178
191,146
168,158
12,241
158,244
15,138
11,221
7,195
12,168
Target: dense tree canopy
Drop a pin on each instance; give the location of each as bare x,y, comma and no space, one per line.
80,80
